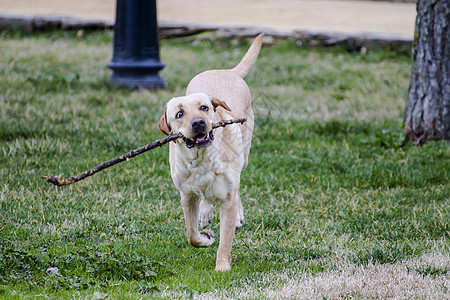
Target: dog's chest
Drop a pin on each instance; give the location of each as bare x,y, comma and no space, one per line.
206,179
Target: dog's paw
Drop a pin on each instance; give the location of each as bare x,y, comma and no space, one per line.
206,237
205,219
240,219
239,223
223,265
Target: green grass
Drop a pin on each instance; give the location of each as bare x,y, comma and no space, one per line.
330,183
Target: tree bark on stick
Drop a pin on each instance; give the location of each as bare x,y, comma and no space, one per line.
427,115
158,143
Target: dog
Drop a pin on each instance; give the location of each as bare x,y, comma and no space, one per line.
206,166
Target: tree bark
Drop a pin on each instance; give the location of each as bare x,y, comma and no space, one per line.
427,115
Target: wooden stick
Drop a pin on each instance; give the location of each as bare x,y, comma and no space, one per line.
158,143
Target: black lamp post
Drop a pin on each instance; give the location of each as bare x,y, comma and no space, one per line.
135,62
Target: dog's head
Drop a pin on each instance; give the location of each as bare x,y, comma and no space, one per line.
192,116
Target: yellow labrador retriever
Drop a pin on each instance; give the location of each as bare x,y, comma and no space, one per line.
205,165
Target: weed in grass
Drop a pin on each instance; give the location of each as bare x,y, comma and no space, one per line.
432,271
384,254
147,288
54,81
79,268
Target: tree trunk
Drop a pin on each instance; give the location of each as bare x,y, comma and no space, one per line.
427,115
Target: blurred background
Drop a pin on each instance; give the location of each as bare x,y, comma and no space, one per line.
396,17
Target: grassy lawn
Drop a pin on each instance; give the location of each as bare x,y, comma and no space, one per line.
336,205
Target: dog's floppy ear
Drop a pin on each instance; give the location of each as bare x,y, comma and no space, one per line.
216,102
163,125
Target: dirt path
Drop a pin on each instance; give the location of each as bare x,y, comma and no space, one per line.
329,15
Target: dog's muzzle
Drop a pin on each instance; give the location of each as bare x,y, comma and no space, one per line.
201,137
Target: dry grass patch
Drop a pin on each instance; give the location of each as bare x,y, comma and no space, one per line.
426,277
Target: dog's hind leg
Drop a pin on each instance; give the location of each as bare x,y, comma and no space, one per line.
206,213
197,239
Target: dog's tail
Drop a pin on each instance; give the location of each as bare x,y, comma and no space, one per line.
249,58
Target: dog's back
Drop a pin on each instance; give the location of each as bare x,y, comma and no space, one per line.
223,80
230,87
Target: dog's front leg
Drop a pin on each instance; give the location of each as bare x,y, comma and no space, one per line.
203,239
228,215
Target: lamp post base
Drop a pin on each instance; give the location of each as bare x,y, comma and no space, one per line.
137,76
133,82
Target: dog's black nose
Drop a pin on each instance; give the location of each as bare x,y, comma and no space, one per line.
198,124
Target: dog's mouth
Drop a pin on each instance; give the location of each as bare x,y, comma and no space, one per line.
201,140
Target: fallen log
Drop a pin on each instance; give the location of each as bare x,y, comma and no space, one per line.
158,143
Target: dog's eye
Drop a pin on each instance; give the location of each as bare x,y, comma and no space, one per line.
179,114
204,108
